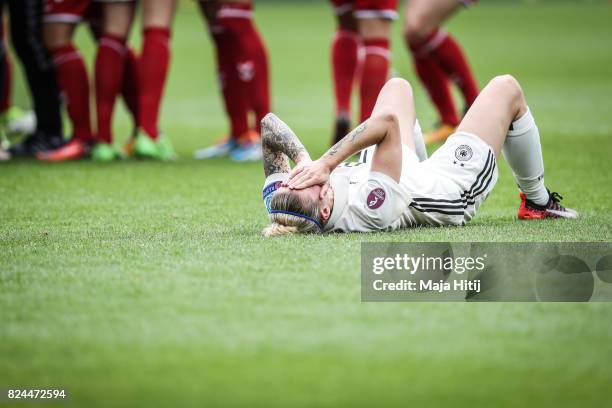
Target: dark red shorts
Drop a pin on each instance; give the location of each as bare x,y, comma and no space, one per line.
74,11
367,8
66,11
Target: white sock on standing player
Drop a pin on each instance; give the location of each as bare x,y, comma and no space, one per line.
523,152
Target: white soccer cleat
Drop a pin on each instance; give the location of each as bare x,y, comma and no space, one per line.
20,121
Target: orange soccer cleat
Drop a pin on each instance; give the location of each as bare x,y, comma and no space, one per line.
439,134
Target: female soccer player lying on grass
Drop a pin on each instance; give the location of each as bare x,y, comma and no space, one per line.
394,185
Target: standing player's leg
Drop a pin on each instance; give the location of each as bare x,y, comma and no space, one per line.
60,21
374,20
4,95
251,66
129,86
438,59
5,68
109,72
13,119
235,101
501,118
157,16
26,35
345,64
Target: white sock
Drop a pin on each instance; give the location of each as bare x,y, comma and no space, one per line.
419,143
523,152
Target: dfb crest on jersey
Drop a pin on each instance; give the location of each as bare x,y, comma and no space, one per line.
463,153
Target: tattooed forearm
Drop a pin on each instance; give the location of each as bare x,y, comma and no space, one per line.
279,137
279,144
334,149
357,131
275,162
352,136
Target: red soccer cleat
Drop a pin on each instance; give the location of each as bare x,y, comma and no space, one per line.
532,211
75,149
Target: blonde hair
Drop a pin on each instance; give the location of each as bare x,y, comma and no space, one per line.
294,215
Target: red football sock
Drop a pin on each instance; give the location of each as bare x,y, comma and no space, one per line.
130,85
438,88
261,84
153,71
72,80
5,97
345,60
251,60
234,96
452,60
374,74
434,80
110,64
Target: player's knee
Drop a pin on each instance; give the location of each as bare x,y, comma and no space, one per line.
509,85
52,40
374,28
401,85
416,30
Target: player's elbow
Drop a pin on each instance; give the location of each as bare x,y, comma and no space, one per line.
266,128
389,121
386,117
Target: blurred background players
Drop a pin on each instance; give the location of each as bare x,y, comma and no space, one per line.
25,18
153,65
13,120
439,60
60,22
242,67
360,52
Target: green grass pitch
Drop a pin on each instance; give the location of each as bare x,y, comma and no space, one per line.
148,284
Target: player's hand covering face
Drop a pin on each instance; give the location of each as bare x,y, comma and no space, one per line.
308,175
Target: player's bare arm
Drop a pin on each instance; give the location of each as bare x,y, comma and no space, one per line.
389,126
373,131
279,145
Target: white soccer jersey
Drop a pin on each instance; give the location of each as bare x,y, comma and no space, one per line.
365,200
445,189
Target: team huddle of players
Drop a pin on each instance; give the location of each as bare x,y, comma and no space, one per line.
360,55
438,59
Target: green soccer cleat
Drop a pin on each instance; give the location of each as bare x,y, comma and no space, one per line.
147,148
104,152
165,149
